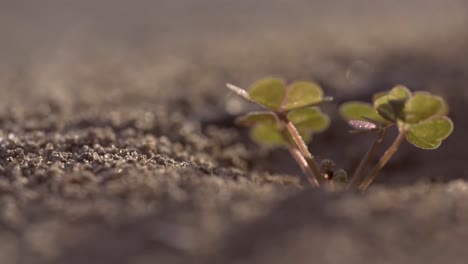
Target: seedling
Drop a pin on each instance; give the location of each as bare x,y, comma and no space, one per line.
291,118
421,118
293,115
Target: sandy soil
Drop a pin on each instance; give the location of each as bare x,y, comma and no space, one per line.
117,143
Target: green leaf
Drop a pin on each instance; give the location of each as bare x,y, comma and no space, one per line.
399,92
430,133
360,111
255,118
384,108
268,92
424,105
309,119
397,107
390,106
396,93
267,135
378,95
302,94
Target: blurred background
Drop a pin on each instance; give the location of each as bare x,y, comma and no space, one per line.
348,45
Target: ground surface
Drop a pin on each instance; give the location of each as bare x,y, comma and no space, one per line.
117,143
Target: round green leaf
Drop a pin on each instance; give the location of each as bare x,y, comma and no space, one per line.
384,109
378,95
302,94
430,133
255,118
268,92
267,135
399,92
424,105
309,119
390,106
360,111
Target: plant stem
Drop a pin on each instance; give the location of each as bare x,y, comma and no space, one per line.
383,160
303,164
302,148
359,173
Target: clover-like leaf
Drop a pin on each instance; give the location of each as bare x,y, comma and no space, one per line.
384,108
267,135
424,105
360,111
429,134
378,95
309,119
256,118
399,92
302,94
268,92
295,102
390,106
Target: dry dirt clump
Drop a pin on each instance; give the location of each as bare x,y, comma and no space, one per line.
112,187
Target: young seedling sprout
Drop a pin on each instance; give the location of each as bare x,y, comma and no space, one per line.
421,118
292,116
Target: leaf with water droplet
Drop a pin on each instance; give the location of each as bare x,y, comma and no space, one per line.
360,111
362,125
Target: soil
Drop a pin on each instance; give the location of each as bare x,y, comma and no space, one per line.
117,141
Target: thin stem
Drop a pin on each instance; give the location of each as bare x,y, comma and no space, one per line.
311,168
303,164
302,148
359,173
297,155
383,160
